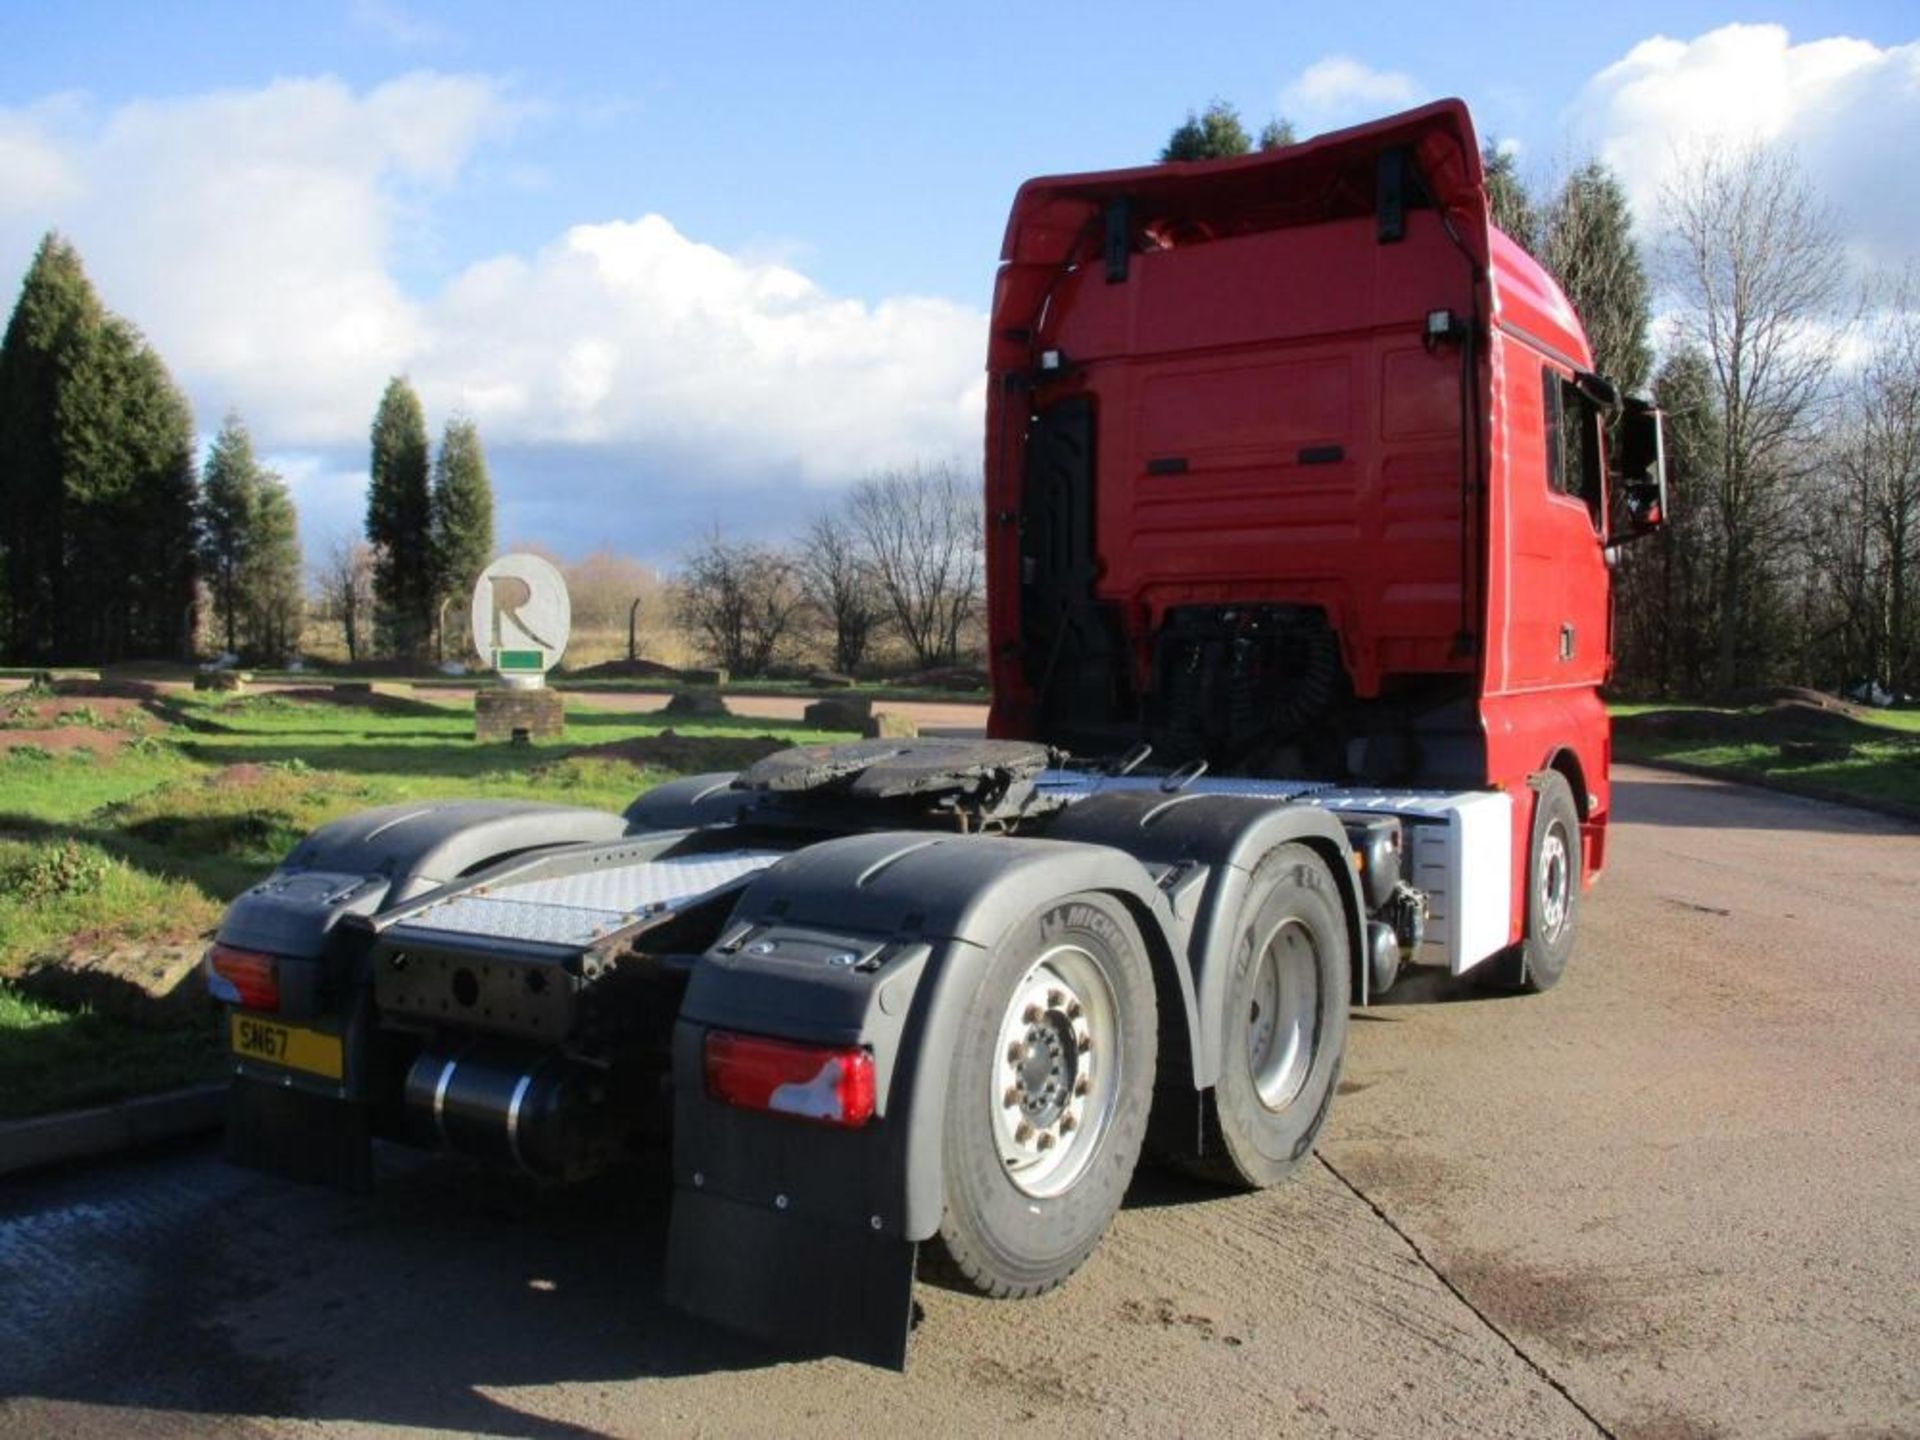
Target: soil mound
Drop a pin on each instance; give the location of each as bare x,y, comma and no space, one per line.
1785,721
1791,695
107,689
73,720
625,670
687,754
378,701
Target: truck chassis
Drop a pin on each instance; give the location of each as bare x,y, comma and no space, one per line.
875,997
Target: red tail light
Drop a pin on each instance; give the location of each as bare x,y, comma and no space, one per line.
817,1082
243,977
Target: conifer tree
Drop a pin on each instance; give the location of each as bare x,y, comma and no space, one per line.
462,509
1507,198
271,577
1586,240
1218,134
229,503
56,310
96,477
400,522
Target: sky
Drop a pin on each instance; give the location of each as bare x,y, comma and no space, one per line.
705,265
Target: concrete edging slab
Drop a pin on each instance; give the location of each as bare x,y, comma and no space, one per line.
84,1134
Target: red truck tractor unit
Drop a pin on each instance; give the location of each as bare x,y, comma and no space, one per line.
1298,521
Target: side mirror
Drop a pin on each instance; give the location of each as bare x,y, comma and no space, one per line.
1641,470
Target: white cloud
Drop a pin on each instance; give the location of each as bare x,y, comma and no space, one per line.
250,233
1850,109
33,176
1340,90
253,235
630,333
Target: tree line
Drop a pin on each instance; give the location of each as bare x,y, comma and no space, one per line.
115,545
1791,388
428,535
429,524
898,558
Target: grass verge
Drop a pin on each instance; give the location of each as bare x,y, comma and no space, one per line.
1872,757
52,1059
145,842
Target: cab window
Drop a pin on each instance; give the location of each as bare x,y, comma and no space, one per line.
1573,442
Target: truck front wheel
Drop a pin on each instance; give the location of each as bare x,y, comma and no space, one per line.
1553,894
1052,1082
1284,1025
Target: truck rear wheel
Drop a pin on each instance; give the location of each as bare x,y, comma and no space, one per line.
1052,1082
1284,1025
1553,894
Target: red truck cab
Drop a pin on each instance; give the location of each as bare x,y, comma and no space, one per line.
1296,465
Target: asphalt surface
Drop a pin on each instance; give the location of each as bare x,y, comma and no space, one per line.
1675,1197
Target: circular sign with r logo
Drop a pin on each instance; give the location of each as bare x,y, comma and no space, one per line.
521,615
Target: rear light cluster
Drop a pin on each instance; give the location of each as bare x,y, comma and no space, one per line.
245,978
831,1084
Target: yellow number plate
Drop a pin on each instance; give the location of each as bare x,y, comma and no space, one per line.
293,1046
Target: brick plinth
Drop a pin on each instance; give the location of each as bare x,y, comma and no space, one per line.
507,714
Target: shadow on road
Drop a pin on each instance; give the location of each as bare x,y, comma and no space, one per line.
194,1288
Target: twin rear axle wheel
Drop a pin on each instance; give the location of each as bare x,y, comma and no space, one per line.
1054,1074
1054,1078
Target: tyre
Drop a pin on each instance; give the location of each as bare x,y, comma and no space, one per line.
1283,1025
1052,1083
1553,894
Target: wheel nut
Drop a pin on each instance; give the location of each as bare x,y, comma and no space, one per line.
1032,1015
1012,1097
1083,1085
1056,998
1067,1124
1016,1052
1023,1132
1045,1141
1086,1044
1073,1010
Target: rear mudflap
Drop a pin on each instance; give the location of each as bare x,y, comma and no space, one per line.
299,1135
805,1285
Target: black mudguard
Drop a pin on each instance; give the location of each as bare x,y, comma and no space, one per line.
879,940
1212,844
691,803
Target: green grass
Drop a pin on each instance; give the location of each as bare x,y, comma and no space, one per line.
147,843
54,1059
1874,757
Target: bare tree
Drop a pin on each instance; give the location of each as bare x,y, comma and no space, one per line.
741,600
344,581
841,583
921,529
1756,264
1872,546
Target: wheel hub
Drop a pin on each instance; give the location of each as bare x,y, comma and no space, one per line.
1059,1070
1556,874
1283,1014
1046,1076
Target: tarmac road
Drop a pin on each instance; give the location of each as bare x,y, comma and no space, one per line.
1675,1197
